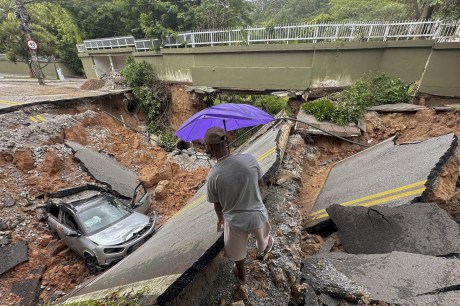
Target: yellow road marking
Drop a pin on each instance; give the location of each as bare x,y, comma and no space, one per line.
203,196
9,102
266,154
379,201
33,119
375,195
40,117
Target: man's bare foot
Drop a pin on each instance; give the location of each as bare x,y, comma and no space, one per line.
269,247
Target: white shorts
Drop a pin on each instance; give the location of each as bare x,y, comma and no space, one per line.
236,241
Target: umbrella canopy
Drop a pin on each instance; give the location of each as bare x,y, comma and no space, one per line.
228,116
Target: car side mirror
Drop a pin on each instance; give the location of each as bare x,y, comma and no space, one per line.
73,234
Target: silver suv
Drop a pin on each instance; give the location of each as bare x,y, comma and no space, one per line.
102,229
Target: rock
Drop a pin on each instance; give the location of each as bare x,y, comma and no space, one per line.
41,215
23,160
5,158
45,240
3,225
4,240
150,176
7,200
55,246
422,228
310,297
76,133
160,190
52,163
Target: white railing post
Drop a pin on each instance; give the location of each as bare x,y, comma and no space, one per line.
387,30
192,39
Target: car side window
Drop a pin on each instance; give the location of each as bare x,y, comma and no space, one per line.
69,221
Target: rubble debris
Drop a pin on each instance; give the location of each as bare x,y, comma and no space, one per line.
28,288
105,169
93,84
398,278
7,200
421,228
11,256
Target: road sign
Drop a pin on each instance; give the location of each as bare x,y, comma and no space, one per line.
33,45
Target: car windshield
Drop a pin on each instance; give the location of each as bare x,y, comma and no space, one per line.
103,215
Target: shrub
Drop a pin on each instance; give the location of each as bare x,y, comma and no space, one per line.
322,109
349,105
152,96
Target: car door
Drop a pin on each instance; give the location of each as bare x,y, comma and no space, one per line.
141,200
68,228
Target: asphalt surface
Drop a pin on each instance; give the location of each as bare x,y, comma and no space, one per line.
422,228
386,174
105,169
398,278
189,238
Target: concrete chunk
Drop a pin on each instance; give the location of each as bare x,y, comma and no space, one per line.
398,278
11,256
105,169
28,288
422,228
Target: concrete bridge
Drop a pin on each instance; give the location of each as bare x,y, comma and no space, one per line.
296,57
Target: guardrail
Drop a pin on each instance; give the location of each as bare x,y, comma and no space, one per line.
315,33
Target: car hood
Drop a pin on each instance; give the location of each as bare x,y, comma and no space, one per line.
121,231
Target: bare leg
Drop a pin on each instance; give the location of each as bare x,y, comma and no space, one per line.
241,271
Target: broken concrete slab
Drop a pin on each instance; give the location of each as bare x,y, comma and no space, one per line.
422,228
406,173
398,277
324,128
11,256
105,169
396,108
28,288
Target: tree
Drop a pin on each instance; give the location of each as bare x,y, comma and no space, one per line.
367,10
51,27
288,11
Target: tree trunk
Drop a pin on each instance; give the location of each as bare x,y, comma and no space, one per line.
427,11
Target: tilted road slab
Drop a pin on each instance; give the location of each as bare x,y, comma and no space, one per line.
105,169
13,255
398,278
422,228
183,246
386,174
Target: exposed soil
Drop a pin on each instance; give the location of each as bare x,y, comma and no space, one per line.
34,161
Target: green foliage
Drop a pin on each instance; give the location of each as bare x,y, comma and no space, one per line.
152,96
322,109
116,299
271,104
51,26
349,105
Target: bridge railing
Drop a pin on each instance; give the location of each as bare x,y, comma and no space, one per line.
313,33
325,32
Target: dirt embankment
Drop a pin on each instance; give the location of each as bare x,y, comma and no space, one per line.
34,161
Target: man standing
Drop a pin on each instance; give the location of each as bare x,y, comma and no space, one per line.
233,187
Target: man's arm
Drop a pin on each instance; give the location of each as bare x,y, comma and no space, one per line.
220,216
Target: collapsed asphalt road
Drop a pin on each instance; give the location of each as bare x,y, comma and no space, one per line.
386,174
167,263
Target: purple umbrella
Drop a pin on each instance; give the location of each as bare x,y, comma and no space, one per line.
228,116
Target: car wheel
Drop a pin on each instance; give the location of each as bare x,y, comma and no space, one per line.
92,264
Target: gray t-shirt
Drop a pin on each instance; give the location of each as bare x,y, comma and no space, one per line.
234,183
